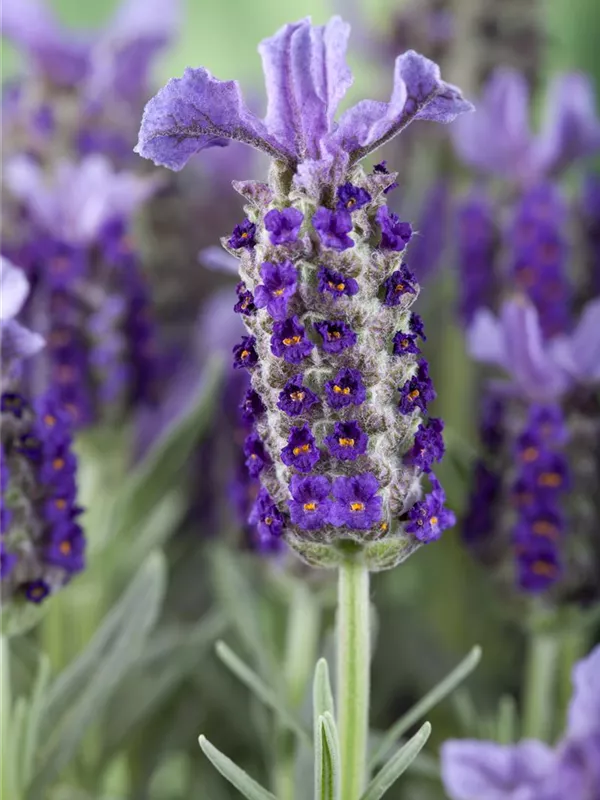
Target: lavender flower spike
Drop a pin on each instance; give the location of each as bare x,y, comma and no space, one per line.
531,770
342,444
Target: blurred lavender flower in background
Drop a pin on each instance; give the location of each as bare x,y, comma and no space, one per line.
532,770
41,543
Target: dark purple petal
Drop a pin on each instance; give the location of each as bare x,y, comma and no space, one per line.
428,445
257,457
244,354
398,285
283,226
418,391
301,451
335,283
266,516
395,235
295,398
348,441
337,336
198,111
310,506
278,288
346,389
405,343
356,505
252,407
244,235
289,341
333,228
351,198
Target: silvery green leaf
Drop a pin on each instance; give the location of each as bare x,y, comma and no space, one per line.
327,759
397,764
507,723
322,694
31,733
301,642
266,695
236,776
81,693
423,706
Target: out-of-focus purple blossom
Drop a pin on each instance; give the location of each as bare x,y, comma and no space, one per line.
531,770
497,139
17,341
590,213
431,235
477,245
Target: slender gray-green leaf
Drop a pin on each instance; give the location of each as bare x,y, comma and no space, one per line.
302,640
507,723
250,679
236,776
329,774
431,699
11,750
31,733
397,764
136,613
322,694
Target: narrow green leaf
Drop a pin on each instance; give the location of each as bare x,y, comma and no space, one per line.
250,679
431,699
507,722
397,764
31,733
330,759
11,749
322,694
236,776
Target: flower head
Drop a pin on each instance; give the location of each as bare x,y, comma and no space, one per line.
289,341
243,236
333,228
336,284
295,398
336,336
346,389
357,503
347,442
310,505
395,235
283,226
278,287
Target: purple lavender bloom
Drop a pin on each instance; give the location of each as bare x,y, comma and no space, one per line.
543,372
310,507
498,138
335,283
539,525
301,451
336,335
548,424
289,341
348,441
417,327
431,235
266,516
395,235
404,343
257,457
243,236
351,198
531,770
346,389
418,391
295,398
245,304
428,446
283,226
428,518
399,284
198,111
549,474
477,245
278,287
356,503
13,403
333,228
244,354
252,407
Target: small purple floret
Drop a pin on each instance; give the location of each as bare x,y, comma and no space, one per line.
295,398
351,198
310,506
244,235
405,343
279,285
418,391
428,518
335,283
346,389
428,446
301,451
244,353
337,336
348,441
266,516
283,226
395,235
252,407
399,283
356,505
289,341
333,228
245,304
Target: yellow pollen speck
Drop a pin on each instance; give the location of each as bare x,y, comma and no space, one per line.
49,420
278,292
414,394
334,335
433,520
65,548
543,528
551,480
544,569
399,287
292,340
310,506
58,463
339,390
60,503
244,235
298,396
530,454
384,526
303,448
357,506
346,442
268,520
244,354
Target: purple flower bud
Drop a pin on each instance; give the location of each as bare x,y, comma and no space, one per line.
335,283
356,503
416,326
538,567
257,457
351,198
337,336
301,451
244,354
346,389
243,236
395,235
252,407
283,226
266,516
333,228
309,506
278,287
399,284
428,518
405,343
36,591
348,441
295,398
428,446
289,341
418,391
245,304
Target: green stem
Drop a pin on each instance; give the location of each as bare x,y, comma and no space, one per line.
540,685
353,667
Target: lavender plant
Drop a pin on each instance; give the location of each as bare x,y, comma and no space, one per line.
339,385
42,544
